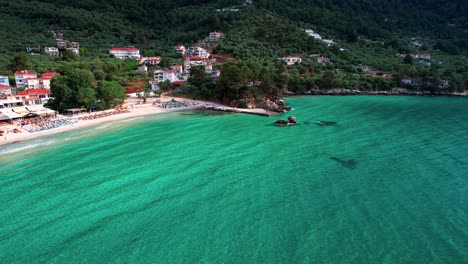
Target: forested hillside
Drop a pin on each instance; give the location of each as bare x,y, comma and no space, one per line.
367,35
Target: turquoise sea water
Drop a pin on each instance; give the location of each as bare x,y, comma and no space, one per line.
387,184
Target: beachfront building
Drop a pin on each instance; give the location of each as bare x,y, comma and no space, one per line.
51,51
125,53
21,76
291,60
4,80
5,89
197,52
34,96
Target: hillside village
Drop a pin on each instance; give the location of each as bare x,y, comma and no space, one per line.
305,72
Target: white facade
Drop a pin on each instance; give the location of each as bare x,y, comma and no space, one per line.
126,53
151,60
214,36
197,52
313,34
75,51
161,76
197,62
5,89
178,69
51,51
21,76
180,49
291,60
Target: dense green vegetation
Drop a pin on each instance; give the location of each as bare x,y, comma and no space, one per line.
368,36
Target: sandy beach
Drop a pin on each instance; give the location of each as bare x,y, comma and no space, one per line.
134,108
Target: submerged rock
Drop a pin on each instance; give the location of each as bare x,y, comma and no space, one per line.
326,123
291,121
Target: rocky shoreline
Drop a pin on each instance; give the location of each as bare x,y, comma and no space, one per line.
395,91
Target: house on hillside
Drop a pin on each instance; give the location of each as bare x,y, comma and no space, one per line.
51,51
21,76
40,83
163,75
153,61
214,36
197,61
125,53
198,52
329,42
180,49
291,60
75,48
322,59
61,45
425,56
178,69
313,34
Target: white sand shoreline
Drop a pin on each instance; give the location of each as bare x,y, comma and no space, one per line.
135,110
138,110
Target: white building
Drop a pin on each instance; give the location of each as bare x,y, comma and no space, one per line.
75,51
151,60
178,69
40,83
163,75
291,60
197,61
197,52
214,36
21,76
313,34
5,89
180,49
329,42
125,53
51,51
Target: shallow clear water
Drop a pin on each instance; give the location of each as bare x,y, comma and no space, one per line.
387,184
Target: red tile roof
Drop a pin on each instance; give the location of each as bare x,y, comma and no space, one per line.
51,74
178,82
3,86
34,92
125,49
24,72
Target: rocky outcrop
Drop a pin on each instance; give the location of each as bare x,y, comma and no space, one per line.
277,106
290,122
